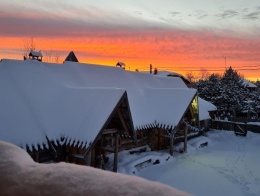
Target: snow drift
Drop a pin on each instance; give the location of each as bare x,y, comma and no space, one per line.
20,175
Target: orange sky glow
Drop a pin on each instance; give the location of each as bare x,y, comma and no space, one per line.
181,40
176,54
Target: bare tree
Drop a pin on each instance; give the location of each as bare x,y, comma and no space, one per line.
191,77
204,74
28,46
56,57
48,55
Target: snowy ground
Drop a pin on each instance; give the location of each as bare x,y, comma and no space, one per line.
229,165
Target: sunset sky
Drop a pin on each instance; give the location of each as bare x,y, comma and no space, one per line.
181,36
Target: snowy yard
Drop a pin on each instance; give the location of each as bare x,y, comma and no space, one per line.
228,165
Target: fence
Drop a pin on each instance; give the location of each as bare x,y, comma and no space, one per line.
234,126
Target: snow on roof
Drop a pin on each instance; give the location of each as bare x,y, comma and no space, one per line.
135,84
119,63
163,107
247,83
168,73
35,53
41,93
204,108
20,175
34,106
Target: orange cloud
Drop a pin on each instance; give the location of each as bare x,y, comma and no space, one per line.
175,50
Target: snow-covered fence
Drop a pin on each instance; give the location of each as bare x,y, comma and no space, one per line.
254,127
233,126
222,125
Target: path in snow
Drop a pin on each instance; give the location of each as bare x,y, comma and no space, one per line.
230,163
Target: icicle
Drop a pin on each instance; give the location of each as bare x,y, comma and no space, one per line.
83,144
46,144
78,144
36,147
30,147
75,143
71,142
41,146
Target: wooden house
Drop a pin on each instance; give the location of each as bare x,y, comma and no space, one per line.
249,85
120,64
77,125
35,55
80,112
71,57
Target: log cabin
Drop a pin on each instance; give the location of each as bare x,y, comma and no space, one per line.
79,112
35,55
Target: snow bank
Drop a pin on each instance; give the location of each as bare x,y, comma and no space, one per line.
228,166
142,161
21,176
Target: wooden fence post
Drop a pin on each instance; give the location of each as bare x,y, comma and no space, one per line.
171,142
116,152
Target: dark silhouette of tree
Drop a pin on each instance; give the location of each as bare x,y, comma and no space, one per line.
228,92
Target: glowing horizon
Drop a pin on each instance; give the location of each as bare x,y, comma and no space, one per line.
169,35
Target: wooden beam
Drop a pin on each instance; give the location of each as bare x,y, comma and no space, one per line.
116,153
88,158
108,131
106,149
122,120
172,142
166,136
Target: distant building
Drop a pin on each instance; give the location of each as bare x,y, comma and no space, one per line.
35,55
72,57
120,64
249,85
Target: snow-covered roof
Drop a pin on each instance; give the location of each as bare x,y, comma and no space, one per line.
35,53
29,114
121,64
33,107
49,97
204,108
168,73
161,107
248,84
163,73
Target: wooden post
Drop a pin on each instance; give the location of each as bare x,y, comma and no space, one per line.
158,141
88,158
122,120
185,138
171,143
116,152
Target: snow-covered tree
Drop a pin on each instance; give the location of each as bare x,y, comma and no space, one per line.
228,93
